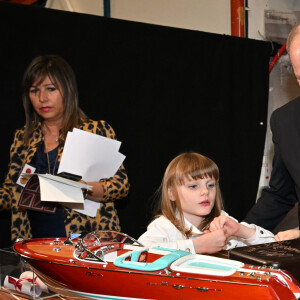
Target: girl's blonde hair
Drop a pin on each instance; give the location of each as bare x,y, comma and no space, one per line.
180,169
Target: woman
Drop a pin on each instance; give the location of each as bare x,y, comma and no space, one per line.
50,99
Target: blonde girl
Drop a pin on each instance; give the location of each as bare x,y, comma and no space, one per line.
190,213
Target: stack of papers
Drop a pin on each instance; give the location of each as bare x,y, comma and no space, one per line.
90,155
58,189
86,154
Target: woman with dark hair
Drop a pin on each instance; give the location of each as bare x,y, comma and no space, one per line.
50,99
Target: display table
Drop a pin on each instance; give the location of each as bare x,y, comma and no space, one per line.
11,265
5,295
10,295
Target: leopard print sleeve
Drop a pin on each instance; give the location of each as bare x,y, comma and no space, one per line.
9,188
115,187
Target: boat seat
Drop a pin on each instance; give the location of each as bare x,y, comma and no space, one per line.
208,265
161,263
138,255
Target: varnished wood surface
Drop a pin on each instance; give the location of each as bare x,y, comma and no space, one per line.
6,294
49,250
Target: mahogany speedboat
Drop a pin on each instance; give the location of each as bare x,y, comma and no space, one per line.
112,265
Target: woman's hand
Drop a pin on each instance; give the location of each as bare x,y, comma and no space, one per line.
287,235
96,194
211,242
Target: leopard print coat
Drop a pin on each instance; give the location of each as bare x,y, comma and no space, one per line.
115,187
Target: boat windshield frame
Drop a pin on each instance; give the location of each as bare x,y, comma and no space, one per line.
102,241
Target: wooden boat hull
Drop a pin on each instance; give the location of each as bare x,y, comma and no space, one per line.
93,283
63,272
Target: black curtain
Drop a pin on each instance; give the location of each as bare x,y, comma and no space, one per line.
164,90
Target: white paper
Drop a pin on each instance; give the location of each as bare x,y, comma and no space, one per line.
22,180
77,184
89,208
54,191
93,157
22,286
89,135
104,169
31,275
60,179
90,155
57,189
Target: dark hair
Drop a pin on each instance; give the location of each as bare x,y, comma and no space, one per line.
63,78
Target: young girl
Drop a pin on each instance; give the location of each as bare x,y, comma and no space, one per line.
191,216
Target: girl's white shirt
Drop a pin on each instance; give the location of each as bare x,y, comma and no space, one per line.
162,233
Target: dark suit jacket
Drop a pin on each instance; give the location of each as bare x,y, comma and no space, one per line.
284,188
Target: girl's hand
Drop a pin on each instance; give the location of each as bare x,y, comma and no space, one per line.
287,235
230,226
211,242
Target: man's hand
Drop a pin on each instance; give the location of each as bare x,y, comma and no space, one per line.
287,235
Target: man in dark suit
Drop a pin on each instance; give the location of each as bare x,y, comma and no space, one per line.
284,188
